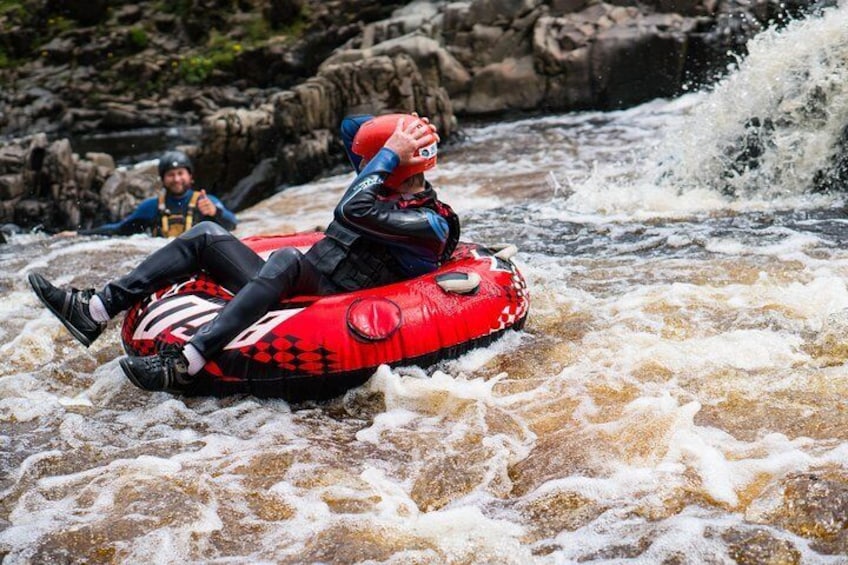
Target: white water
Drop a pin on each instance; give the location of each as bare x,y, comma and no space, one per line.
683,364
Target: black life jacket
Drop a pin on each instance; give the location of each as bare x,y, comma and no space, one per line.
445,212
173,224
352,261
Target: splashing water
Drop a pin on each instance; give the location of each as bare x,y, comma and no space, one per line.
678,394
772,127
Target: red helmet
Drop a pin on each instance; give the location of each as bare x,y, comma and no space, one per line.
374,133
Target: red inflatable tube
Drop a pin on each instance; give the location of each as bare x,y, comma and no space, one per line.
314,347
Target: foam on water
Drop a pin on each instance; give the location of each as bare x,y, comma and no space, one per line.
788,99
683,362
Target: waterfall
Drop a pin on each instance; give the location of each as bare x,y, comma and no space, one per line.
778,123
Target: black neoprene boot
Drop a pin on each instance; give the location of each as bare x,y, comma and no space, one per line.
166,370
70,306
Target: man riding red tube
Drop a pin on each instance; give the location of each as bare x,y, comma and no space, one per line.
388,226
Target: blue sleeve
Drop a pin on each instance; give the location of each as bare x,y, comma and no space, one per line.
359,209
383,163
350,125
224,216
141,219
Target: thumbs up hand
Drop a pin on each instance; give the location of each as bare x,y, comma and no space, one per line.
205,205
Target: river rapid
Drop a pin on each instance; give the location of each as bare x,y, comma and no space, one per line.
678,394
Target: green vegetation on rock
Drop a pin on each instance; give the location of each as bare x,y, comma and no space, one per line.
219,54
138,39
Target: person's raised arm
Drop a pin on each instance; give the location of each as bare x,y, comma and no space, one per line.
358,208
211,208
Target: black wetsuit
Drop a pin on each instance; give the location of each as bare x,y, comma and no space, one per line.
376,238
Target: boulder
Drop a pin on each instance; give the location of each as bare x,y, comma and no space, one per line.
500,12
436,64
512,84
124,190
813,506
12,186
610,57
101,160
266,124
46,185
259,184
232,141
58,167
297,130
34,213
639,59
12,157
477,43
7,211
562,47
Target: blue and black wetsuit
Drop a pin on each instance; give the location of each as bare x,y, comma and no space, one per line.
148,216
376,238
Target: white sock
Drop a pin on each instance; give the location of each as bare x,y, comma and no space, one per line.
98,310
196,361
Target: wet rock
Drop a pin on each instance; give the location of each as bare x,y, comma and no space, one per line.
47,185
7,210
11,186
298,129
34,213
476,44
511,84
759,547
485,36
557,512
744,154
436,64
58,164
813,506
441,59
102,160
124,190
259,184
638,59
231,140
835,175
562,49
124,116
12,158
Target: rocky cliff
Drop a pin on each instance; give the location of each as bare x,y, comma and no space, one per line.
269,80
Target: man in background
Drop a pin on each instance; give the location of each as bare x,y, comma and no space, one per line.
175,210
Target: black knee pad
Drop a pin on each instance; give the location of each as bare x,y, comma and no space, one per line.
282,261
204,229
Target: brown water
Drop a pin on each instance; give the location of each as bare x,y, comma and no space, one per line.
678,394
